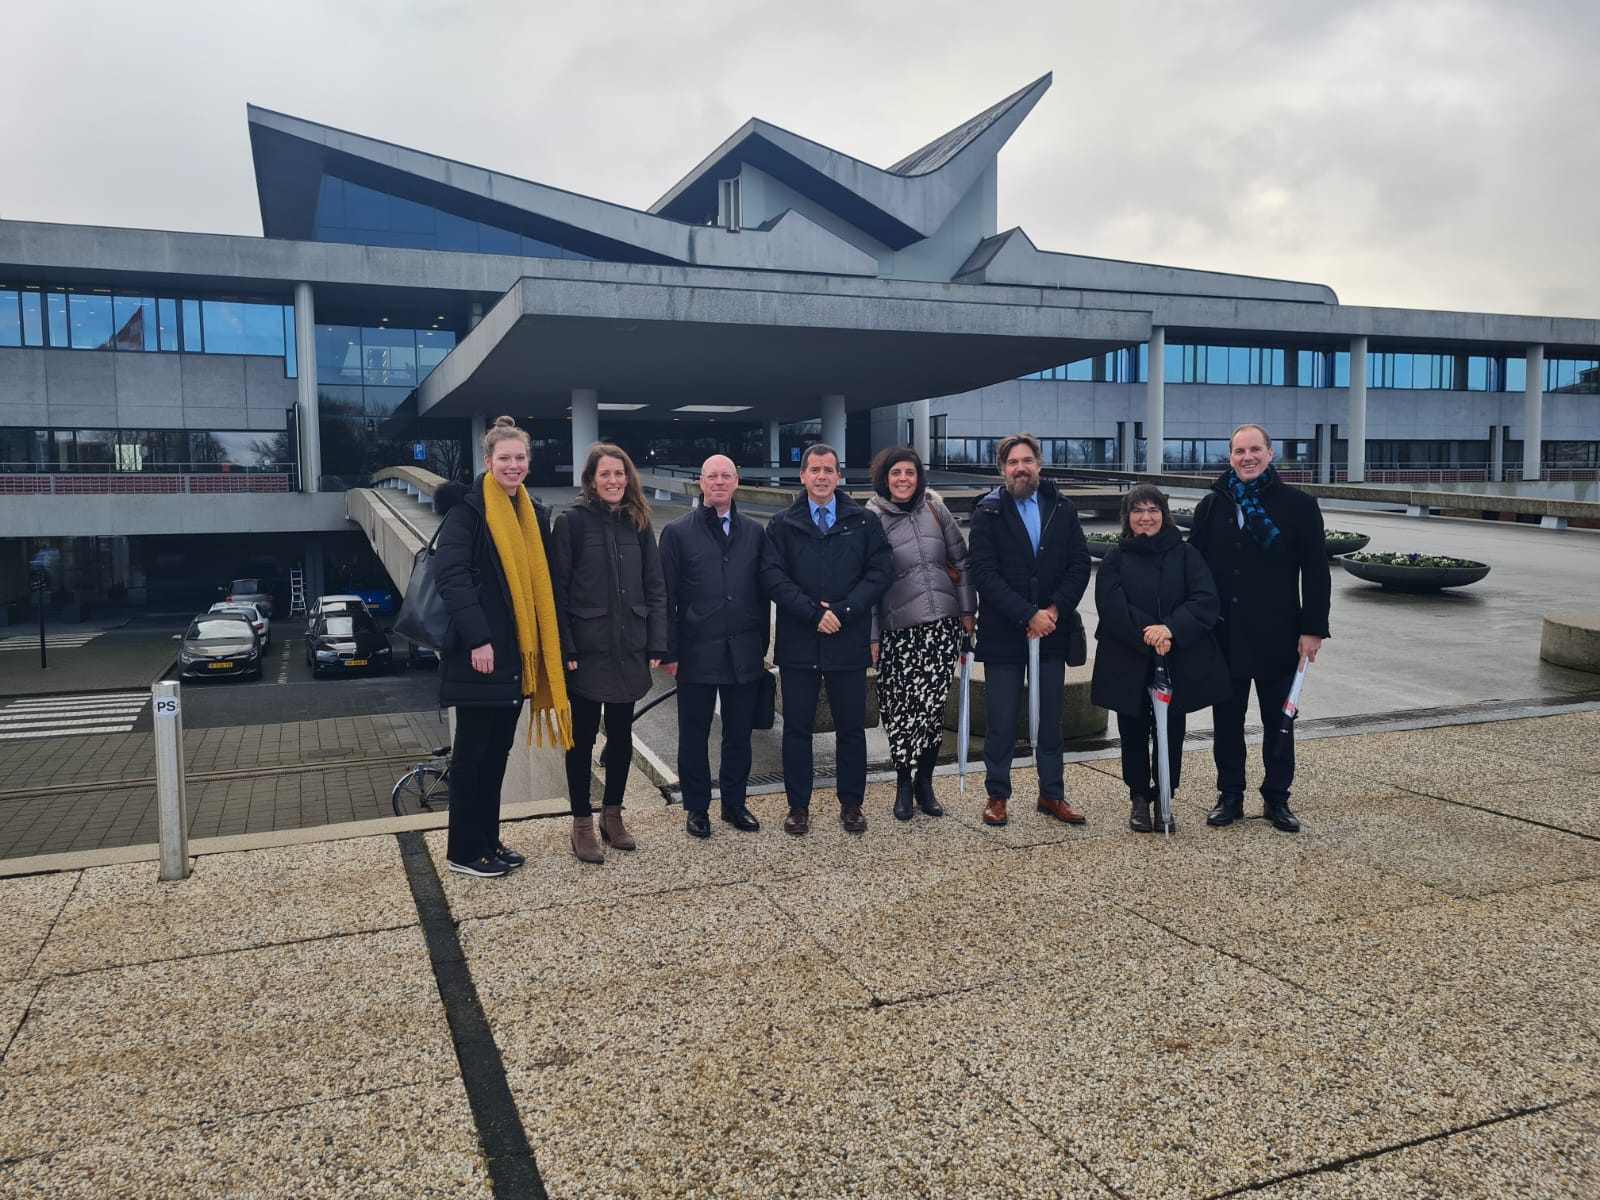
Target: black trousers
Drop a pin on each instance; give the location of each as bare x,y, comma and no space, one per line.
618,754
1277,750
1138,734
477,769
847,697
696,705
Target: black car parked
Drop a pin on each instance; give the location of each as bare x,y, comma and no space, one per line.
220,644
342,642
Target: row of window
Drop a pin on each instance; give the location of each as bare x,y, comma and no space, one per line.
99,319
381,357
349,212
162,450
1263,366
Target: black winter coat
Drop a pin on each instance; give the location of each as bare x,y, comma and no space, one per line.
1013,584
1269,597
473,584
851,567
613,603
1156,581
718,618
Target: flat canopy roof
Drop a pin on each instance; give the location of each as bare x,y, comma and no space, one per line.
771,346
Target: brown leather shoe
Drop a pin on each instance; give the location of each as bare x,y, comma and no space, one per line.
1061,811
798,822
851,818
994,813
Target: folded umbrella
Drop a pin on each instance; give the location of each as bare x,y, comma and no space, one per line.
1291,710
1160,705
1033,696
964,720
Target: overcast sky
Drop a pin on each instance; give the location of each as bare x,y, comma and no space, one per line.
1434,153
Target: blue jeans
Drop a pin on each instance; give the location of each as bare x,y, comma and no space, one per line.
847,697
1003,691
696,703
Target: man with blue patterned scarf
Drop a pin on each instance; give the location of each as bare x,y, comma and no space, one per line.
1263,541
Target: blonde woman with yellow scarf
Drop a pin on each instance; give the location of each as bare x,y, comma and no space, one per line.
504,644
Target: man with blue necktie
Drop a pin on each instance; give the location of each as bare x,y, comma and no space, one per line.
717,632
826,565
1030,562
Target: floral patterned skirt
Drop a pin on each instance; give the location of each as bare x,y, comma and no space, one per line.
915,667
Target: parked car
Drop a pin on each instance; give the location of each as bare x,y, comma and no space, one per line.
251,613
322,605
248,591
219,644
347,641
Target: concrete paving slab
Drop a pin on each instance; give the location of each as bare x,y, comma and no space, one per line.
121,914
1427,760
1093,793
1511,982
14,1000
401,1142
1182,1072
169,1044
851,1106
1537,1156
28,909
1462,851
680,972
1571,803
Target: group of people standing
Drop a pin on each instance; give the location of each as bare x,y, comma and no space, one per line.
570,617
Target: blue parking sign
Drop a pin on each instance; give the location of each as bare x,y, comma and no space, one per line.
419,451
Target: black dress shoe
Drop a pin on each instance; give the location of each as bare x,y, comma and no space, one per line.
798,822
1282,818
698,824
1230,808
741,818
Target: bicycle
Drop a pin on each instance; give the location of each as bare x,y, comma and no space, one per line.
425,788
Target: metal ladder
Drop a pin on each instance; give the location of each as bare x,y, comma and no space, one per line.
297,592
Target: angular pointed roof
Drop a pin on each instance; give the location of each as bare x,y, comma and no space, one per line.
901,205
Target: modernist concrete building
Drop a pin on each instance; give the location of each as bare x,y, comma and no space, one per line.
181,405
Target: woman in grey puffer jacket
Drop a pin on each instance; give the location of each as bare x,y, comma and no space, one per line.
918,626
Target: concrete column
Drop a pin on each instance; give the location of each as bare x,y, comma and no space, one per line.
305,349
585,428
1356,433
773,449
1325,439
833,423
479,427
1155,397
919,429
1533,414
474,315
1497,454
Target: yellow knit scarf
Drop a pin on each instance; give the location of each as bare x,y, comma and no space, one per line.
515,530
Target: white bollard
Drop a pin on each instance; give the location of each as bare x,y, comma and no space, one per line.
172,822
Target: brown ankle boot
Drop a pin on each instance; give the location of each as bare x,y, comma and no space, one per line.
583,843
612,829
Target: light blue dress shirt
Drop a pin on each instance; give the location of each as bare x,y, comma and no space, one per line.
1029,511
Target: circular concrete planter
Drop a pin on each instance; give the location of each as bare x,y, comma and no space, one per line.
1397,577
1339,542
1183,518
1099,543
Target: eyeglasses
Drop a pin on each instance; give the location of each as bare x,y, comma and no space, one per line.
1144,512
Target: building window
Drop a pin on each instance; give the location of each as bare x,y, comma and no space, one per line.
730,204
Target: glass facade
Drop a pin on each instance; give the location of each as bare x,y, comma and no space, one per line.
363,375
107,319
166,451
351,212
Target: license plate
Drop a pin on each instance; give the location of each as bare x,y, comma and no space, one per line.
355,662
222,666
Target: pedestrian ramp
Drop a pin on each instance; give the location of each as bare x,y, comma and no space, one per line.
67,716
52,641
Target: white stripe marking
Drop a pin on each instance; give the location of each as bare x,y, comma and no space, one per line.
50,733
60,723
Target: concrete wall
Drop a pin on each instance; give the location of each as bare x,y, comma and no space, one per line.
118,516
81,389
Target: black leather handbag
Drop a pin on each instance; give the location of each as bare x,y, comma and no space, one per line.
765,715
423,619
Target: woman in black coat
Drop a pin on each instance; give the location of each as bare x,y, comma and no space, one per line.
1155,596
503,642
613,601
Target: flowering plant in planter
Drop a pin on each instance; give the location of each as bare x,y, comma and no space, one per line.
1390,559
